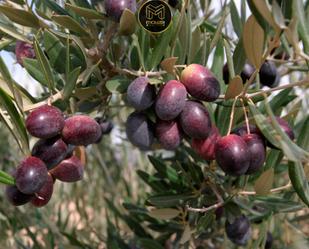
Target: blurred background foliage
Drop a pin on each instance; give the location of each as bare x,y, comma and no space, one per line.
80,52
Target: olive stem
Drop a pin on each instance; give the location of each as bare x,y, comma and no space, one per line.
274,190
206,209
232,116
246,116
299,83
50,100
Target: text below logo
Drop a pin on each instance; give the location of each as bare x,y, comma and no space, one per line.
155,16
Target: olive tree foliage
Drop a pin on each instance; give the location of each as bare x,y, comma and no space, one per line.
84,63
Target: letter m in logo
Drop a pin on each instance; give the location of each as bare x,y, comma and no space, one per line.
155,11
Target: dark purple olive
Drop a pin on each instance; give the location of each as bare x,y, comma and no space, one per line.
200,82
232,155
81,130
140,130
15,197
51,151
31,175
168,134
23,50
206,147
245,74
45,122
44,195
69,170
239,232
195,120
114,8
269,74
257,151
242,130
141,94
171,100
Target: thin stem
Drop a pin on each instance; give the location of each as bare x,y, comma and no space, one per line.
299,83
206,209
232,116
246,116
274,190
50,100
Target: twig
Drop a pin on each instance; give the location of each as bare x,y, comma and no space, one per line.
246,116
274,190
206,209
49,100
299,83
232,116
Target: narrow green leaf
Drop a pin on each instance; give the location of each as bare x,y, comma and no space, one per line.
69,23
11,84
169,200
56,7
299,11
239,57
71,83
85,12
299,181
165,171
164,213
16,118
303,137
21,17
6,178
55,50
237,24
13,32
290,149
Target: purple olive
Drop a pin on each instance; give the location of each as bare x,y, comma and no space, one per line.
43,196
239,231
206,147
51,151
257,151
69,170
169,134
141,94
31,175
195,120
140,131
15,197
200,82
232,155
171,100
81,130
45,122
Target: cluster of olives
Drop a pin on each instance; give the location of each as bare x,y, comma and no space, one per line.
176,117
269,75
52,156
